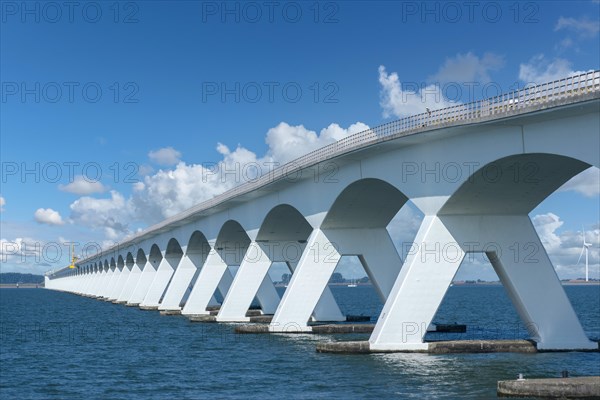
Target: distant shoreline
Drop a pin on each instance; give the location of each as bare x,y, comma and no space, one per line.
22,286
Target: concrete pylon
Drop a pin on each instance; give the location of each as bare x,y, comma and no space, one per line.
131,283
143,284
252,280
519,259
305,293
114,275
164,272
107,276
185,272
85,283
120,284
94,283
213,270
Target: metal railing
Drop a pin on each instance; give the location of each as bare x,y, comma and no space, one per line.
494,107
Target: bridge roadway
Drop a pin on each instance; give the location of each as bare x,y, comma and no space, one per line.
475,171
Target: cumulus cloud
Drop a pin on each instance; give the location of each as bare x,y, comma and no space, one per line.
468,68
584,27
564,247
165,156
29,255
402,102
171,190
540,70
110,214
83,186
288,142
20,249
586,183
48,216
2,203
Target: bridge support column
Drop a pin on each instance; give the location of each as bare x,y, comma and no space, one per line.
161,281
110,279
251,277
84,284
179,284
108,275
308,292
519,259
143,284
316,265
93,289
122,279
327,309
208,280
90,283
130,284
529,278
419,289
223,286
112,282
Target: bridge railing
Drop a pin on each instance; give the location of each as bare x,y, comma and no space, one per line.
496,106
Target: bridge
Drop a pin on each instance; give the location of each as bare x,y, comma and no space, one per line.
475,171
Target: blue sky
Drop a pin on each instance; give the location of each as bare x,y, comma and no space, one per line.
179,78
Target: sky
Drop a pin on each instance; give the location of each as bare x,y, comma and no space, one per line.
115,115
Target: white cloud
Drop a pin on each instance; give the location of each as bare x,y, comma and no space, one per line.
468,68
540,70
112,214
586,183
20,250
29,255
48,216
144,170
83,186
564,247
400,102
582,26
172,190
287,142
2,203
165,156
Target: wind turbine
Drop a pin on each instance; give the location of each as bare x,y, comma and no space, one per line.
584,248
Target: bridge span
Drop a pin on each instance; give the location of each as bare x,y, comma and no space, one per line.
475,171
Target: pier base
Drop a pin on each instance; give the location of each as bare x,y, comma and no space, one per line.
444,347
148,308
554,388
262,319
202,318
170,312
316,329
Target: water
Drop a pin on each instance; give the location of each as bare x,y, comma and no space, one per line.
61,346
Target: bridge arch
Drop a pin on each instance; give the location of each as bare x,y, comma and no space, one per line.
197,244
154,256
232,242
284,223
365,203
129,261
515,184
140,258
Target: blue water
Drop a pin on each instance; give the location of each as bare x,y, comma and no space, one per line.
60,346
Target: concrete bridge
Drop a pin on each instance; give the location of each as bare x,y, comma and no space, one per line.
475,171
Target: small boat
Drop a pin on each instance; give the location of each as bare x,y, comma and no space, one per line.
352,284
